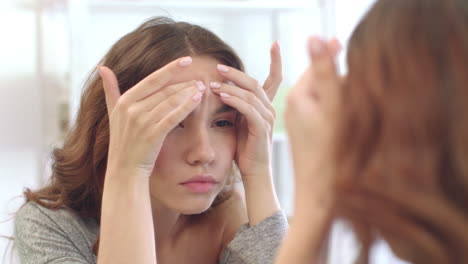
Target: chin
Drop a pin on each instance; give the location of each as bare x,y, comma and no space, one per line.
195,206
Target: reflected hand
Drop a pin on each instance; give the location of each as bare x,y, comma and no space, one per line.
310,114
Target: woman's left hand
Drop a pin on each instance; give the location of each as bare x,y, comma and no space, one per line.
255,127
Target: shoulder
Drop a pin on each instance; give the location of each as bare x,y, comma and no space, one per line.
31,211
33,215
47,233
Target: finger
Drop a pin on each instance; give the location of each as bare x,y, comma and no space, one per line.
163,94
178,114
275,77
334,46
242,80
111,87
304,88
258,91
157,79
323,60
168,105
266,112
323,69
248,111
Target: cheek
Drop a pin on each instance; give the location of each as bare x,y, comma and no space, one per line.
226,144
167,153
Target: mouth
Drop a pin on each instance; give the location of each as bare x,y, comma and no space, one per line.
200,184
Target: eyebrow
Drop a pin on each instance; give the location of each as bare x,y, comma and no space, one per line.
225,108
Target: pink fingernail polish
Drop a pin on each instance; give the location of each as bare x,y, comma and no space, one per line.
215,85
201,86
225,95
278,44
315,46
185,61
222,68
197,96
99,68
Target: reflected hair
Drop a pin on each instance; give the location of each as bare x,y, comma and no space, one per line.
401,141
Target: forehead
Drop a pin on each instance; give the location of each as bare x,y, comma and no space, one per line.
203,68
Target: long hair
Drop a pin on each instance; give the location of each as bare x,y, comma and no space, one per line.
79,166
401,149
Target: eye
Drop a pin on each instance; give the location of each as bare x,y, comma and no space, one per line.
224,123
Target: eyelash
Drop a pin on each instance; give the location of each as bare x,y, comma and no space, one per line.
226,123
229,123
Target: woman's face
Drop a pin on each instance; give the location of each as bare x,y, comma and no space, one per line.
196,157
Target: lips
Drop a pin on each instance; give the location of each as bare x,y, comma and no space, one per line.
200,184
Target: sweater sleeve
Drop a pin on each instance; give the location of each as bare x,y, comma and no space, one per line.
44,236
258,244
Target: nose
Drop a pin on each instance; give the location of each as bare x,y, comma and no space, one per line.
201,151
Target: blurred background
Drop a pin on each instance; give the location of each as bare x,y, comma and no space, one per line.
49,47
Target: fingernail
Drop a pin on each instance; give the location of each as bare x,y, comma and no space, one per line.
99,69
224,95
316,46
335,46
201,86
197,96
215,85
185,61
222,68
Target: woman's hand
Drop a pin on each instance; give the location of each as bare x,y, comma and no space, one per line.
310,116
254,133
255,127
141,118
139,121
311,110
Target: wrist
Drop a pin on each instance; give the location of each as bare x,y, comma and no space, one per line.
122,170
313,209
259,177
126,176
260,197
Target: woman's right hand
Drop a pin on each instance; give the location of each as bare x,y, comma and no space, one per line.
310,115
140,119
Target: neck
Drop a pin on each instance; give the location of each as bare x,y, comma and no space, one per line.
167,222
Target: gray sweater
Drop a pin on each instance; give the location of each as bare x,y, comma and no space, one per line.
61,236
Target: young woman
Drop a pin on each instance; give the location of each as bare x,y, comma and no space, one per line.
148,173
385,148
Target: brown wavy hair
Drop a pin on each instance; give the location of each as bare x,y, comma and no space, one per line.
402,133
79,166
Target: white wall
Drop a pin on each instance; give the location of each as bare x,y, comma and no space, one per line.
19,115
